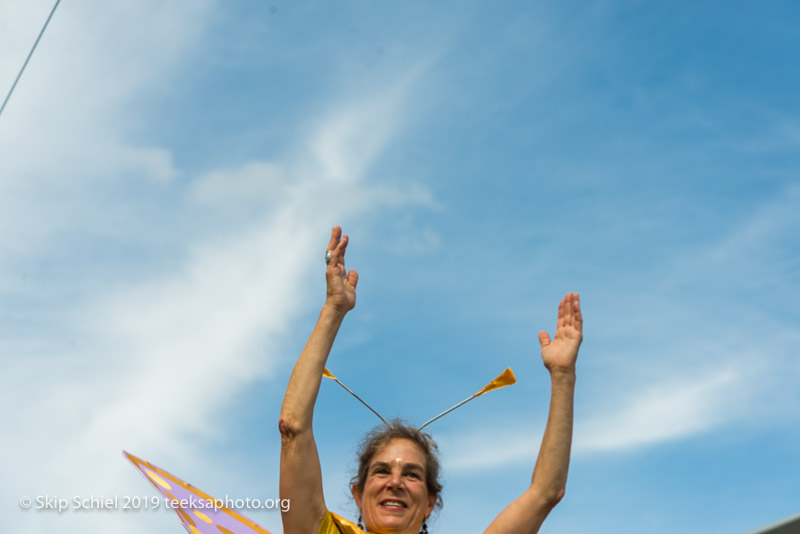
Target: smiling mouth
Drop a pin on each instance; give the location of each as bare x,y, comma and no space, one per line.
393,503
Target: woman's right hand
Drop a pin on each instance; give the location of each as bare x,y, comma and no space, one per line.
301,476
341,294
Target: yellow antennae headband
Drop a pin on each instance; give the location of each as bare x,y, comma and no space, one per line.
506,378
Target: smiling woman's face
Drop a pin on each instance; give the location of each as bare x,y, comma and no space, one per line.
395,497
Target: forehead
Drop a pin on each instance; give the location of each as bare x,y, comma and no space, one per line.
400,450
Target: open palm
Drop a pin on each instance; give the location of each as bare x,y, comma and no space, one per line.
341,285
561,352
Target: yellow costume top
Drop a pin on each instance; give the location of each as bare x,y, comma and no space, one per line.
333,524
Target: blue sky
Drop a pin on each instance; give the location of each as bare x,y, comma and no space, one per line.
169,174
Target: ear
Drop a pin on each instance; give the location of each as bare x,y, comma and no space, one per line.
431,503
357,494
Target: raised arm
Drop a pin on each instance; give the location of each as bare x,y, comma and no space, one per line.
301,477
527,513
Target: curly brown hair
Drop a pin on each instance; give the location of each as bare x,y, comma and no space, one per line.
380,436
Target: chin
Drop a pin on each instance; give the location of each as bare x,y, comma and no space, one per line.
391,524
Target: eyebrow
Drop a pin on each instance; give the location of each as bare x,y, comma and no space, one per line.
405,466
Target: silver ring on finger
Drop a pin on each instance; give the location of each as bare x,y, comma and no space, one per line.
328,254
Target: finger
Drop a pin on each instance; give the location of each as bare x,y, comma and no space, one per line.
568,300
544,338
342,248
337,256
576,311
352,277
336,235
562,313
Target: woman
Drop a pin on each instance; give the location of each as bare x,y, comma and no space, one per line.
397,485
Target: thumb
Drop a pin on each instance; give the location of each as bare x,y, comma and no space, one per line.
544,338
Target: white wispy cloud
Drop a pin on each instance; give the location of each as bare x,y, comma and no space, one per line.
661,413
716,349
148,361
647,415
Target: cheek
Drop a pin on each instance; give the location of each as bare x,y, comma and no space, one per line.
371,488
421,491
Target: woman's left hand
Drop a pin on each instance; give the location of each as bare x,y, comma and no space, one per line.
561,353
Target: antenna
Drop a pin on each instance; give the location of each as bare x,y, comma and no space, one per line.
506,378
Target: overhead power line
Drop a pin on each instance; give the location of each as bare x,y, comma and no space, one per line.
14,85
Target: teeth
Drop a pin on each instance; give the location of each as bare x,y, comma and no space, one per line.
394,504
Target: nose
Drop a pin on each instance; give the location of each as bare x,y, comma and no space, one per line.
396,480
